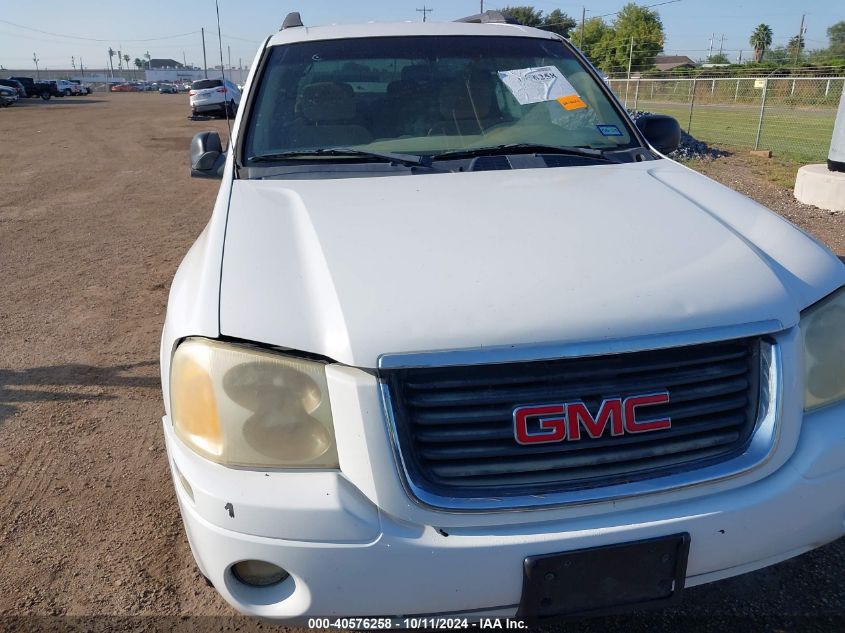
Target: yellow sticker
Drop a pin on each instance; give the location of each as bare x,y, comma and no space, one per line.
572,102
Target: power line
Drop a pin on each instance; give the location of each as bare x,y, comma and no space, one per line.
96,39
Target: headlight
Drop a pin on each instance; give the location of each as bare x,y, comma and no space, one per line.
823,327
241,406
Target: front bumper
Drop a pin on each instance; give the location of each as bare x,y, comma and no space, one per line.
347,556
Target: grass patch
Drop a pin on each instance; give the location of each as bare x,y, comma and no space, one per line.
799,135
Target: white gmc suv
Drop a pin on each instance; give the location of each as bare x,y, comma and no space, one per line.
459,340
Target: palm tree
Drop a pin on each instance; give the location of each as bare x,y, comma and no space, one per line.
761,39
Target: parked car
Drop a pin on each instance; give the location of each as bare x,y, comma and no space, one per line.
462,340
34,89
13,83
8,96
168,89
214,95
125,87
68,88
82,88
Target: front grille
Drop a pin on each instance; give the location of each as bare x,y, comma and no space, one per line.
455,425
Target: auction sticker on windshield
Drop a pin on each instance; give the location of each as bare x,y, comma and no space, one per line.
546,83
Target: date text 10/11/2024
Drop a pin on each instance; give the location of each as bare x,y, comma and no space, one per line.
415,623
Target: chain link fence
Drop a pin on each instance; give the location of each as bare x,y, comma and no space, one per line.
790,116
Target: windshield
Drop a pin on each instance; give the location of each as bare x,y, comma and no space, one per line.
428,96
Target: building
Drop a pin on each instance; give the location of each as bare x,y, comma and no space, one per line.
158,64
670,62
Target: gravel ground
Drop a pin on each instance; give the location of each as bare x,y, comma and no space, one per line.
690,148
96,211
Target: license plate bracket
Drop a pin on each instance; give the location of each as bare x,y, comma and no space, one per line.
606,579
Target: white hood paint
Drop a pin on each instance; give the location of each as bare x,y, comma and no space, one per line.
355,268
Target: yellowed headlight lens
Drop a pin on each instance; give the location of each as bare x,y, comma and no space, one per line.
194,403
823,327
241,406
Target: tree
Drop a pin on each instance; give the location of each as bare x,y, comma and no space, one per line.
529,16
761,39
836,36
795,46
556,21
594,30
613,52
779,56
138,63
559,22
718,58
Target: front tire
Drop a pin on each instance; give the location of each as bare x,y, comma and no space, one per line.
46,95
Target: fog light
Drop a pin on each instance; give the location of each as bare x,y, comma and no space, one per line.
258,573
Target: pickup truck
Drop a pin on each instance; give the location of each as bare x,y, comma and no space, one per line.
459,341
43,89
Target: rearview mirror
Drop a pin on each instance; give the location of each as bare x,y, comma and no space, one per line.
661,131
207,156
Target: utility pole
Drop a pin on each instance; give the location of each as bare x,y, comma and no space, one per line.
73,63
583,19
230,57
739,60
630,58
482,6
800,39
721,44
710,50
111,65
81,68
37,72
184,60
425,11
204,62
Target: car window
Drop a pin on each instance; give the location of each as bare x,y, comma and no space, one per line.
204,84
429,95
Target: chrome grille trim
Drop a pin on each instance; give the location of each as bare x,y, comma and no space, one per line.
760,449
575,349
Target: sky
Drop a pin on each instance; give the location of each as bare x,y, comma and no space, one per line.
56,30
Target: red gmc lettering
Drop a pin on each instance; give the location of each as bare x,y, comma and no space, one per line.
549,423
577,415
552,429
631,404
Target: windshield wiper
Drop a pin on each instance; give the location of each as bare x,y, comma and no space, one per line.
409,160
526,148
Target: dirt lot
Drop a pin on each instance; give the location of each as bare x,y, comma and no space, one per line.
96,211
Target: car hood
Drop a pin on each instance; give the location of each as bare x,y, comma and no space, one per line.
354,268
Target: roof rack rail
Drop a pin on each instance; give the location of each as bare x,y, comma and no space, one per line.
490,17
292,20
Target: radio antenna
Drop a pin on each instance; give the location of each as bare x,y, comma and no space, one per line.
223,71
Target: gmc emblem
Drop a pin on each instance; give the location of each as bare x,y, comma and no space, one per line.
549,423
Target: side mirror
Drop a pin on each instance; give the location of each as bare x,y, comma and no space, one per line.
663,132
207,156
